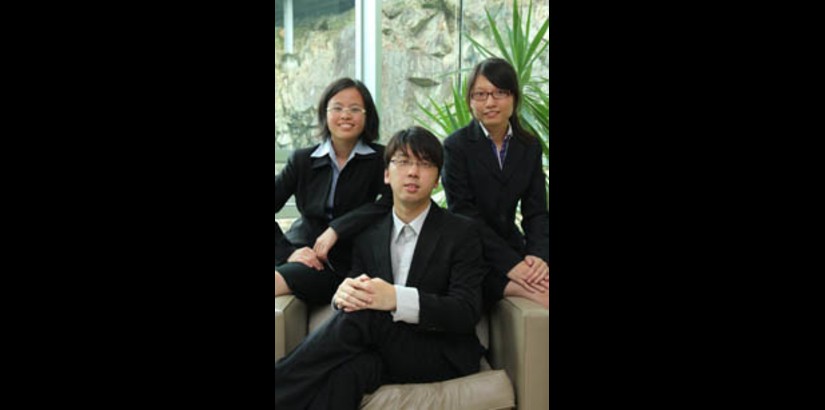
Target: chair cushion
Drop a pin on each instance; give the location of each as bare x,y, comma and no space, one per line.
290,324
486,390
318,315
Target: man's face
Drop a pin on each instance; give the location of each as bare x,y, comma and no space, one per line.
411,179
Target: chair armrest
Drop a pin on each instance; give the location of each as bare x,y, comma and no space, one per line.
290,324
519,341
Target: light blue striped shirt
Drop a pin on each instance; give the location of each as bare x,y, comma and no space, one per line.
326,149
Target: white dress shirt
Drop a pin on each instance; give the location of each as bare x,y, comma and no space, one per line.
401,254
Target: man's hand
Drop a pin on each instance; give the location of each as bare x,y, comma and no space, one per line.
352,294
307,257
520,275
364,292
324,243
383,294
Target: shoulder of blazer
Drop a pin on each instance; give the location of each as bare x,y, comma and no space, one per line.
377,147
455,223
302,155
436,214
368,235
526,139
377,155
474,132
458,224
529,141
462,219
464,135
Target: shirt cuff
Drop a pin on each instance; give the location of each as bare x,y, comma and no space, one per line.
406,305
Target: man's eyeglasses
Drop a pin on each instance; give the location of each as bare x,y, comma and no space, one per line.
405,163
351,111
482,95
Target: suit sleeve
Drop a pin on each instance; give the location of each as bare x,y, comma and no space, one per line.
285,184
357,266
461,199
535,218
460,309
349,225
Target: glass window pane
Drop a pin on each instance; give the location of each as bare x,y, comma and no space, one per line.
323,50
420,52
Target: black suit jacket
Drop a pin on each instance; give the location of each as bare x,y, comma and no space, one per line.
360,198
475,186
447,269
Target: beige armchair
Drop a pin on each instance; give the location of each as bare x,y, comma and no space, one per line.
516,331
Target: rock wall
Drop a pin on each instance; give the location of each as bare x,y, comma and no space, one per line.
324,50
420,58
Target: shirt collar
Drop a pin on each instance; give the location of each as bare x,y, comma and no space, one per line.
361,148
415,224
507,135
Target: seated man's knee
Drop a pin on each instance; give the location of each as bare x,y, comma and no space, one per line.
365,369
367,320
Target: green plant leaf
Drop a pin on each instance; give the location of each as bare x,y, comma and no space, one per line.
480,48
497,37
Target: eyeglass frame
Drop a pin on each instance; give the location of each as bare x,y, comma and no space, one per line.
487,94
403,163
350,111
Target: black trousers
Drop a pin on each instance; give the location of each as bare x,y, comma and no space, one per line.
355,353
317,287
492,289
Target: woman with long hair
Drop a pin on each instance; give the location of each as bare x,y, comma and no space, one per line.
490,167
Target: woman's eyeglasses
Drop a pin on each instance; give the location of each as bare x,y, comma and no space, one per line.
482,95
351,111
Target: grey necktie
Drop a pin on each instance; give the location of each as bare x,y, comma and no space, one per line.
402,257
405,235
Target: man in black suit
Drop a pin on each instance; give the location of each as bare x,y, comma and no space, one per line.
408,311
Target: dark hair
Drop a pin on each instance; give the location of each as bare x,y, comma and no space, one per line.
370,132
421,142
503,76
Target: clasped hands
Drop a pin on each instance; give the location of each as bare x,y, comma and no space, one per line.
533,274
316,256
363,292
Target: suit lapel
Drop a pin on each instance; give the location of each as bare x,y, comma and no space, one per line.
514,159
481,149
381,248
426,245
319,184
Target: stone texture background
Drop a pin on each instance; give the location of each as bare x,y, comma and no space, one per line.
420,58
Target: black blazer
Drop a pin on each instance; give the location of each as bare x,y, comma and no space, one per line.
447,269
475,186
360,198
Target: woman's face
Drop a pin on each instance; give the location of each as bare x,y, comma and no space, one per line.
345,115
491,112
